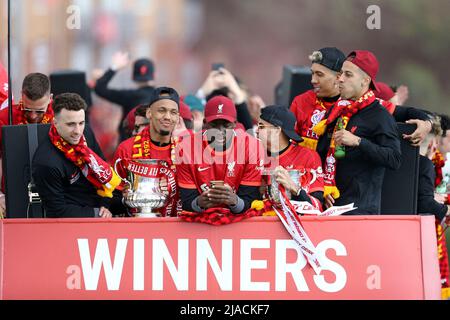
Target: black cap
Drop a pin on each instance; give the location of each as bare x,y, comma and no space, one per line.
330,57
281,117
143,70
161,93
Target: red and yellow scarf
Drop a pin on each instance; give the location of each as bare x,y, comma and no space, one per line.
439,163
344,110
95,169
21,119
142,147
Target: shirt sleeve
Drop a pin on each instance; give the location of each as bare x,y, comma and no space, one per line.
385,148
425,201
101,89
404,113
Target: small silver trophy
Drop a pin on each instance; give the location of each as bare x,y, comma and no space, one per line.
272,184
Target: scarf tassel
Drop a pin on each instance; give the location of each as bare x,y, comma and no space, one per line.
108,188
320,128
333,190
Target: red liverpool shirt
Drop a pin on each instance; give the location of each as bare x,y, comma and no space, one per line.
309,111
240,164
306,161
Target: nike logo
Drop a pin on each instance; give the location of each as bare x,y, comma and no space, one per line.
202,169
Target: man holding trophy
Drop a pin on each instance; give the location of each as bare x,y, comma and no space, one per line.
297,168
147,160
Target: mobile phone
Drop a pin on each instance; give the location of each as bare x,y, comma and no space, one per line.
216,183
217,66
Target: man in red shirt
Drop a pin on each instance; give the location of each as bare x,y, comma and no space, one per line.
310,107
218,167
276,129
156,142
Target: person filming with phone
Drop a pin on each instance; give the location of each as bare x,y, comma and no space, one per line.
219,168
221,81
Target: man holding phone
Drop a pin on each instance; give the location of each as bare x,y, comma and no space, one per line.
218,168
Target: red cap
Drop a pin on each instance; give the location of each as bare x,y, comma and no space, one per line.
185,112
131,119
384,91
220,107
367,62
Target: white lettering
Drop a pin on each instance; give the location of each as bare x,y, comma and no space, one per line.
224,275
74,20
247,264
138,264
327,264
161,254
91,272
282,267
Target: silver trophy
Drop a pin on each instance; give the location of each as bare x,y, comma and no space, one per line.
272,185
142,190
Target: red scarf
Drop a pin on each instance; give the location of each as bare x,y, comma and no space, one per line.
344,110
221,216
443,261
21,119
96,170
439,163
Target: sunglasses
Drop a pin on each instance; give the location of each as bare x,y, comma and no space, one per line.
40,111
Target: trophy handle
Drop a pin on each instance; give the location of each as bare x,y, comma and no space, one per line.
123,179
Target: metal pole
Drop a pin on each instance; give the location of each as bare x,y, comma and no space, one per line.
10,106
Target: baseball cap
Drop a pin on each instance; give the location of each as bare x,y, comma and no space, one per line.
143,70
282,117
161,93
185,112
330,57
220,107
367,62
384,91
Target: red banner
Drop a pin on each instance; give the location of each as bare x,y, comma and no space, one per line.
363,257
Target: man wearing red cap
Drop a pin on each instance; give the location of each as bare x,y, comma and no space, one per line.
359,139
156,141
217,167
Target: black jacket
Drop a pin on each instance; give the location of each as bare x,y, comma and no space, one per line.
64,191
359,176
126,98
425,200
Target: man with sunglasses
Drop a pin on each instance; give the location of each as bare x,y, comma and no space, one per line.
219,167
35,107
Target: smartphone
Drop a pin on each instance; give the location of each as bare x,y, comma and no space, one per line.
217,66
216,183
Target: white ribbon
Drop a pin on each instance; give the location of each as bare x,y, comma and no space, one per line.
298,234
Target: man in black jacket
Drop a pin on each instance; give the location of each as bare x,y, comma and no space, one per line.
426,203
72,180
368,134
143,76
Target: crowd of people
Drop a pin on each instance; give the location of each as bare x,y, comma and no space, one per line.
225,147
